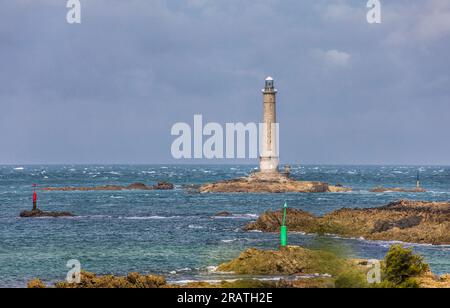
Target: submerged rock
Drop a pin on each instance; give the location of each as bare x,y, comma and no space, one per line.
269,183
38,213
407,221
191,188
223,214
138,186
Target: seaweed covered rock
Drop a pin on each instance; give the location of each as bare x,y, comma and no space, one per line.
407,221
289,260
297,220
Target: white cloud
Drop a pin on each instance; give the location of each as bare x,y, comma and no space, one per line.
426,23
334,57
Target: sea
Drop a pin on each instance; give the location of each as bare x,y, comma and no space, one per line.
177,233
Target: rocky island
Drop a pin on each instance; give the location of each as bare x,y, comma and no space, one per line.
269,182
398,189
135,186
36,213
406,221
269,179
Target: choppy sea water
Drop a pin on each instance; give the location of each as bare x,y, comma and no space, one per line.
176,233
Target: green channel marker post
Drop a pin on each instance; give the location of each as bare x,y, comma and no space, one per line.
284,230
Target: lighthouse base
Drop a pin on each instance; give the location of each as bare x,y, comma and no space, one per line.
269,182
269,164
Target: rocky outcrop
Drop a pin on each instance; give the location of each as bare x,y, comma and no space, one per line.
223,214
431,281
131,281
397,189
138,281
291,260
407,221
163,186
134,186
269,183
38,213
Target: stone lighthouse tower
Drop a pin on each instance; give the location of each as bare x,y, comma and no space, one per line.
269,159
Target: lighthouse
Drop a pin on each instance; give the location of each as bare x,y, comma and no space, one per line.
269,159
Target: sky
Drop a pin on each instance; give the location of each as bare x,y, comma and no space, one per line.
109,90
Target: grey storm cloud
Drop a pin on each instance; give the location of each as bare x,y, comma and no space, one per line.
109,89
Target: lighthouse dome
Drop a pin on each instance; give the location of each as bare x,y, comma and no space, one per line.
269,84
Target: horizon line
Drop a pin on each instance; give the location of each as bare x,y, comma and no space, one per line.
227,164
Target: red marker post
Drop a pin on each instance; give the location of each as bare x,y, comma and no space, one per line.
34,198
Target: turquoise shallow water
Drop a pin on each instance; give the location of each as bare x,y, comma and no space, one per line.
175,233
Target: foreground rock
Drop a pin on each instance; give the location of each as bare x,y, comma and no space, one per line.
269,183
92,281
135,186
432,281
38,213
287,261
397,189
407,221
401,268
138,281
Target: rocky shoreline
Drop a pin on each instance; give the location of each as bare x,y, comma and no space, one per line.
288,262
406,221
270,183
328,269
135,186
